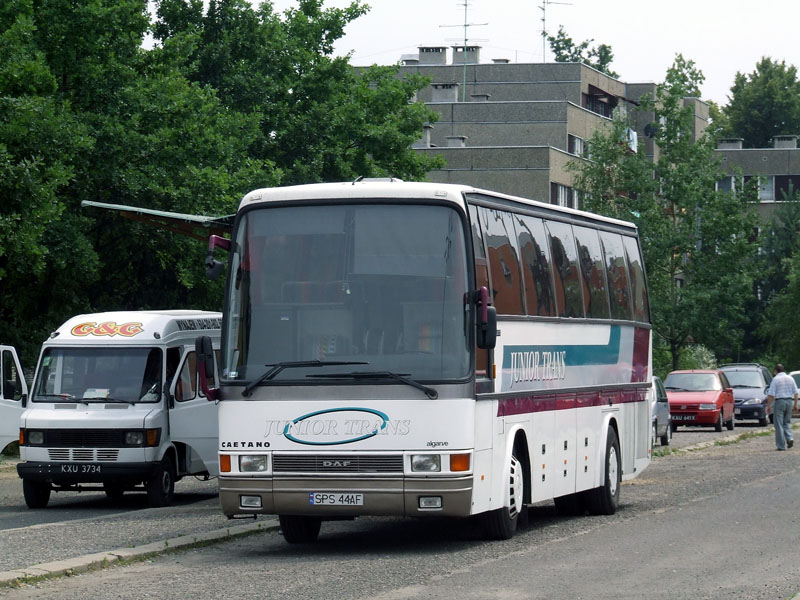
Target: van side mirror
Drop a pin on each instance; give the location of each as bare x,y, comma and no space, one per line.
204,351
486,331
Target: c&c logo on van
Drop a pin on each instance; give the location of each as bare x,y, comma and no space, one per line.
108,329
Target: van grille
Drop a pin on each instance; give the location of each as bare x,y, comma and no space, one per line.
84,438
82,454
342,463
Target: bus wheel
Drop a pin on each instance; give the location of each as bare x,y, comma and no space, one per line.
37,493
605,499
501,523
161,485
299,530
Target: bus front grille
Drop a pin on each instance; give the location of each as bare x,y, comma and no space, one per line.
313,463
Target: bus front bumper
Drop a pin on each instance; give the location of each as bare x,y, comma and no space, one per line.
407,497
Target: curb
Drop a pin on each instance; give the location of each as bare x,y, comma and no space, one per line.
100,560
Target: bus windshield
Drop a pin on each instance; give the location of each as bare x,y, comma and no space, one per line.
337,289
99,375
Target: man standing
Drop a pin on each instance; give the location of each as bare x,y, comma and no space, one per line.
783,392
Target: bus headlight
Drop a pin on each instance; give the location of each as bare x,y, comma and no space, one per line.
252,463
426,463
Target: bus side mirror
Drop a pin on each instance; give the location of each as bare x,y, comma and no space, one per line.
205,366
213,266
486,333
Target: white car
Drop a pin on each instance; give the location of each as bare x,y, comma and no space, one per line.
662,420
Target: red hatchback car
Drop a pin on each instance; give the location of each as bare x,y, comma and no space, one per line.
701,397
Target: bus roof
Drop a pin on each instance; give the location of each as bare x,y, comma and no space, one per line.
132,327
394,188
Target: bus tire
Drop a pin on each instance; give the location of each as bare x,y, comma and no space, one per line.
37,493
161,485
299,530
604,500
501,523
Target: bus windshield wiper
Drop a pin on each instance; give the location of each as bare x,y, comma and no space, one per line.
278,367
402,377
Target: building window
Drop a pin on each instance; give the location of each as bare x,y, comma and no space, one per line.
575,145
563,195
766,189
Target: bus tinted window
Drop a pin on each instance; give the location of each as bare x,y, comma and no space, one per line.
617,271
503,261
481,280
641,311
569,299
593,273
536,273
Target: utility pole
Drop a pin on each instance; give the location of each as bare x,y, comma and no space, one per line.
466,27
543,8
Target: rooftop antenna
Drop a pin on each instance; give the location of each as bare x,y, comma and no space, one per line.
466,27
543,8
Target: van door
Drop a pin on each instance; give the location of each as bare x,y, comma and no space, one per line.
193,418
13,396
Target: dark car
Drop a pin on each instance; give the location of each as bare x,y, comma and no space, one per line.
700,397
750,382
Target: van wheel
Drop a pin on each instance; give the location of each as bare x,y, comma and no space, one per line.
299,530
501,523
161,485
604,500
37,493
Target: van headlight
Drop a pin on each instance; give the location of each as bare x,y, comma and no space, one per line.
426,463
35,437
134,438
249,463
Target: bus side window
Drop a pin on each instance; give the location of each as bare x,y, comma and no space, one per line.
565,270
503,261
641,309
481,280
617,272
537,276
593,272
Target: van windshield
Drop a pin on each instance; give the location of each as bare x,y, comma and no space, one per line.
99,375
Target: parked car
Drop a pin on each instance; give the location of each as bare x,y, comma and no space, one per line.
796,376
750,382
662,421
700,397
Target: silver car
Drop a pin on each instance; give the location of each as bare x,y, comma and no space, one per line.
662,420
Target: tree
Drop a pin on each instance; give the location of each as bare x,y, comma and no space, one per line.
320,119
696,241
565,50
228,100
764,104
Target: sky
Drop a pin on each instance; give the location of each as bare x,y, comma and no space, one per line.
722,37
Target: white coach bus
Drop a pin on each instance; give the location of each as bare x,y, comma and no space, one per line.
417,349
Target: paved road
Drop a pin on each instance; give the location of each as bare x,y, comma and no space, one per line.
712,523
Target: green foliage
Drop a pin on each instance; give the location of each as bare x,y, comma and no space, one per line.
566,50
764,104
229,99
695,240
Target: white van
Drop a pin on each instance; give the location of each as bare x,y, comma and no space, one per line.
13,395
115,406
